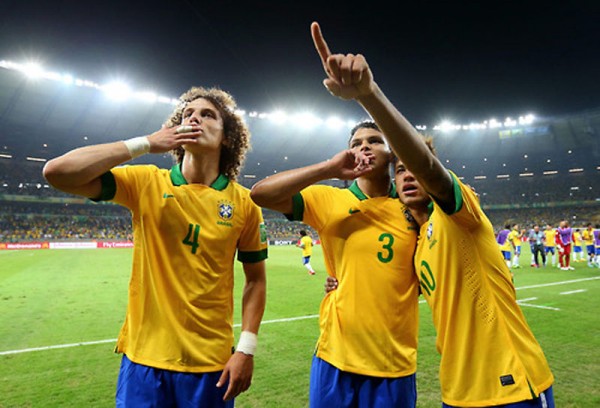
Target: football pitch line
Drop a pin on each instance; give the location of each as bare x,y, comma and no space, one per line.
289,319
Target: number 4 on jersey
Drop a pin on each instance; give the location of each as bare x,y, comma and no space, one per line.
193,229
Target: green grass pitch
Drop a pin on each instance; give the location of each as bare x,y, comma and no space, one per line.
68,306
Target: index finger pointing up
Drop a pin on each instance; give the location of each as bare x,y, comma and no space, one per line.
320,43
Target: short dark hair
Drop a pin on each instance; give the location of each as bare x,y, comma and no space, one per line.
302,232
365,124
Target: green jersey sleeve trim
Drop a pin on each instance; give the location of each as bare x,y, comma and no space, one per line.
297,208
252,257
458,198
109,187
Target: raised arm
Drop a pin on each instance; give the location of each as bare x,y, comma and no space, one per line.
349,77
78,171
275,192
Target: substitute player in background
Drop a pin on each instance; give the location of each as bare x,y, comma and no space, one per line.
489,356
577,246
504,243
188,224
306,243
596,234
514,237
366,351
564,241
550,243
588,241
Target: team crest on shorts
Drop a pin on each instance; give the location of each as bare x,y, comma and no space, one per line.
225,210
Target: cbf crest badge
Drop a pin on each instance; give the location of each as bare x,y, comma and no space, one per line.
225,209
429,231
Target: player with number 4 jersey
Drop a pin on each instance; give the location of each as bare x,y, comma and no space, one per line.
188,224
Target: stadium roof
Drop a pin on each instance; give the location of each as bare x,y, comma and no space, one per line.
436,59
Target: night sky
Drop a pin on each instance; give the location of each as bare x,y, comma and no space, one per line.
466,61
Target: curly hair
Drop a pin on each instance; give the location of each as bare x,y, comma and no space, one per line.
236,134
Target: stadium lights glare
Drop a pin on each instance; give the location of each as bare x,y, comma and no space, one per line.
36,159
480,177
578,170
122,92
5,156
525,174
503,176
550,172
117,90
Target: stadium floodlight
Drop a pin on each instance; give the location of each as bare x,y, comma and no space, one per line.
120,92
146,96
32,70
278,117
526,120
550,172
67,79
306,120
5,156
333,122
36,159
525,174
503,176
480,177
117,90
447,126
577,170
493,124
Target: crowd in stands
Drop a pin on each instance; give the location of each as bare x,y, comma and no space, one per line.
27,221
31,211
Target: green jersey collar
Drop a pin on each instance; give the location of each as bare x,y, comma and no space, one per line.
178,180
354,189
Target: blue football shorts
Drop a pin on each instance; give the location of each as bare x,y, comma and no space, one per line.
331,387
545,400
143,386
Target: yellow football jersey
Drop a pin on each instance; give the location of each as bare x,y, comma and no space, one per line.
489,355
577,239
515,238
588,237
307,245
369,324
180,311
550,236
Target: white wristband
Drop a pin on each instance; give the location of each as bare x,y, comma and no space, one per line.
137,146
247,343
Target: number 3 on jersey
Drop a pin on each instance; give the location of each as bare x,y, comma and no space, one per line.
193,229
388,241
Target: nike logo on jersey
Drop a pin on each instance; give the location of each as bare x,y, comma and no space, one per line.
432,243
165,195
353,211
